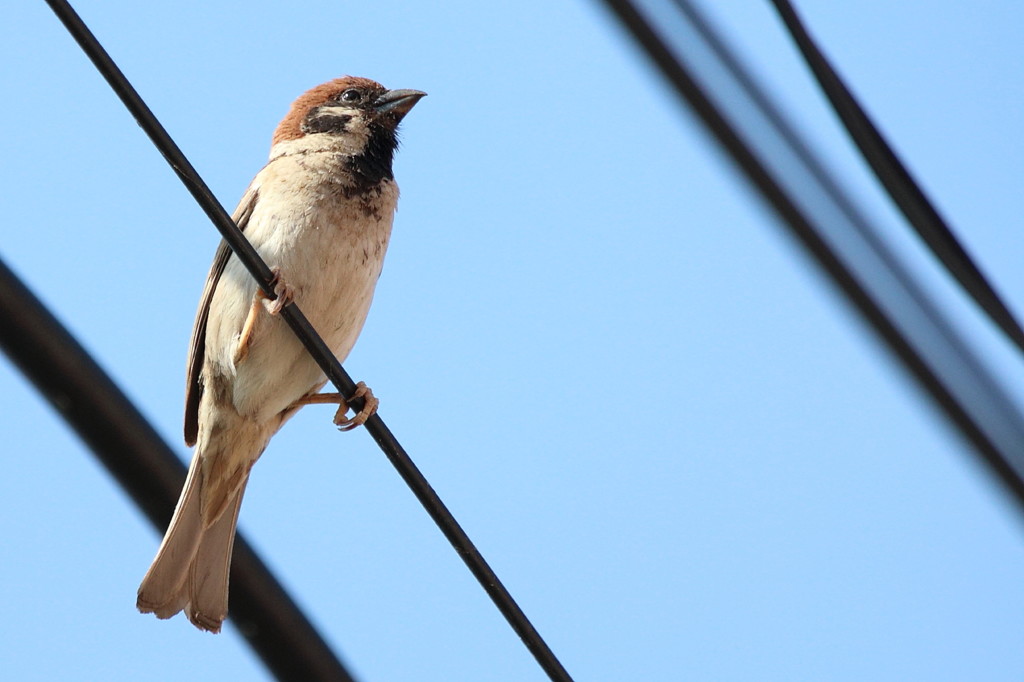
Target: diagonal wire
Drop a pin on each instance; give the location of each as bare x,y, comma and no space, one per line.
905,192
811,204
245,252
152,475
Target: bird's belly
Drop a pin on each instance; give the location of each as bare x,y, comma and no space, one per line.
277,370
332,272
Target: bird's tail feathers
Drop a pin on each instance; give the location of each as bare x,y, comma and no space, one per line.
208,576
163,588
190,571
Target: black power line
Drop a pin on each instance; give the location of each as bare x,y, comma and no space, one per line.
809,202
898,182
148,470
244,251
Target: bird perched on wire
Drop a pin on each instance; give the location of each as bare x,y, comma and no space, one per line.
320,214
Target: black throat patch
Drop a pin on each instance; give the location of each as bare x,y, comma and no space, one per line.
374,164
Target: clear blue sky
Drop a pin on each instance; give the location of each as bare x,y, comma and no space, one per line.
678,447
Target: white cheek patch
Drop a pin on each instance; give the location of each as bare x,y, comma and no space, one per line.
338,111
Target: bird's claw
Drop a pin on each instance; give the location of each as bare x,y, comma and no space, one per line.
370,404
285,295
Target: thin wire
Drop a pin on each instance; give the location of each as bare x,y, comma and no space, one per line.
907,194
245,252
148,470
809,202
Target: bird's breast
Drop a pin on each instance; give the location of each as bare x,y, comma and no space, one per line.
329,245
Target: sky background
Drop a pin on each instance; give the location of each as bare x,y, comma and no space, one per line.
679,448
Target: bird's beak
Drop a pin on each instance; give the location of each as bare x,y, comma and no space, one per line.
397,102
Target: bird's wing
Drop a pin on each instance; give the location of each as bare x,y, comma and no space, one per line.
197,347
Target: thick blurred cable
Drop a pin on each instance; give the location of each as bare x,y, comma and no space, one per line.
148,470
318,350
811,204
908,196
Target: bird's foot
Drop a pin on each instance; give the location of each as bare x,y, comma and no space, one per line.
370,405
284,294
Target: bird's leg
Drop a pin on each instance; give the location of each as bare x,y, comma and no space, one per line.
370,404
242,349
285,295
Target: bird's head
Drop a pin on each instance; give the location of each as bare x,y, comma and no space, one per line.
348,115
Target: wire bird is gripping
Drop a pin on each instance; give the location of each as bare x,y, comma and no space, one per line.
323,356
905,192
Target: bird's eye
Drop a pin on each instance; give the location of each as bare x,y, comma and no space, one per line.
351,95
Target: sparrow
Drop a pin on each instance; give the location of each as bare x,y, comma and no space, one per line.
320,214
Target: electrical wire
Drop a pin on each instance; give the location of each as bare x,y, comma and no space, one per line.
905,192
148,470
811,204
244,251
